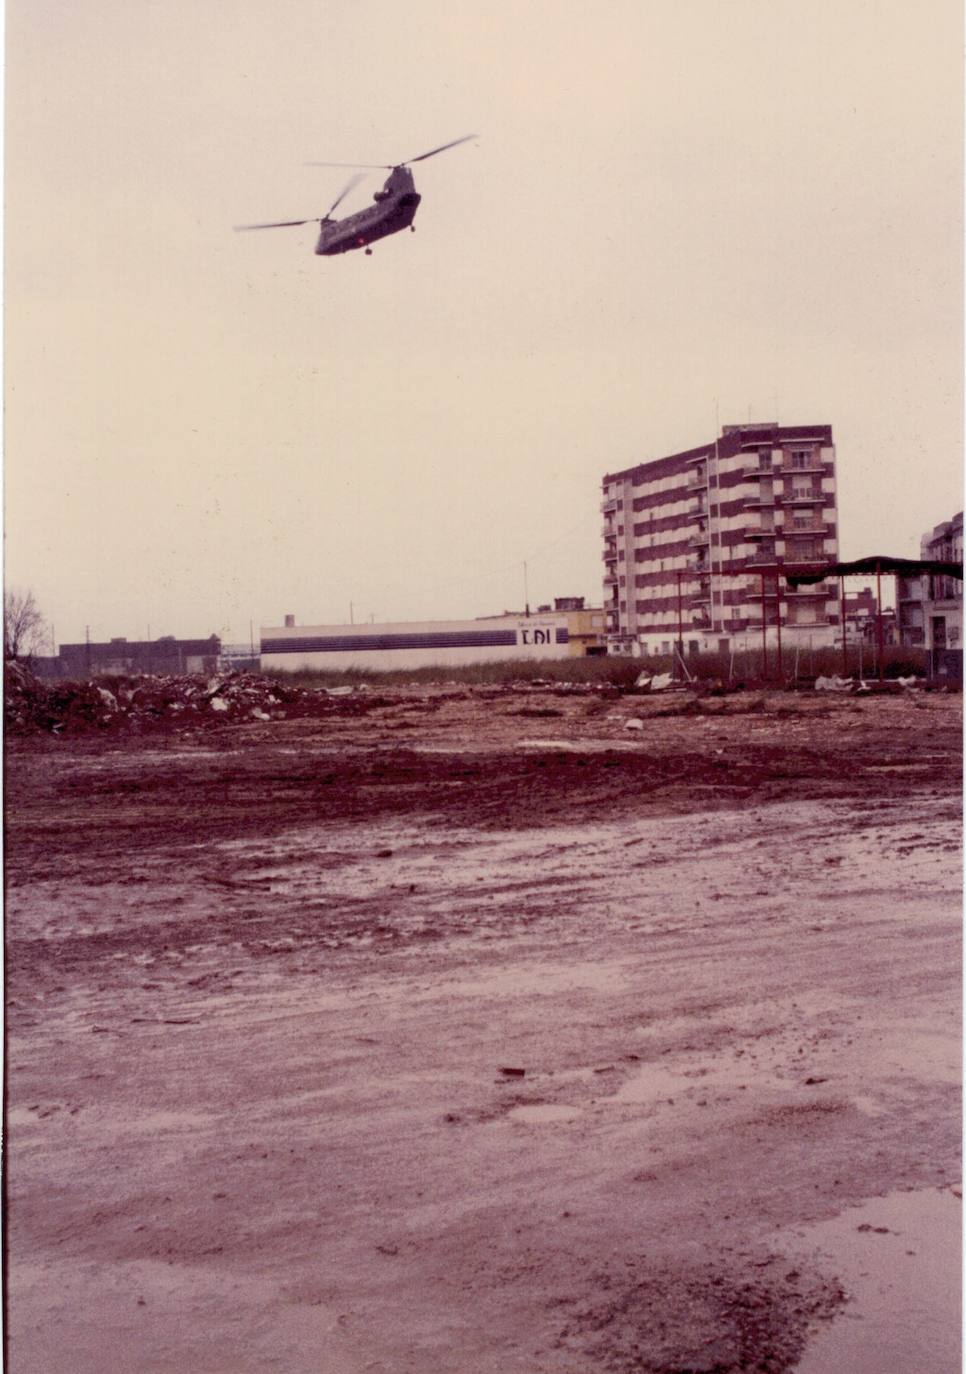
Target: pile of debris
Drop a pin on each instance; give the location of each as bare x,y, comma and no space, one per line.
158,701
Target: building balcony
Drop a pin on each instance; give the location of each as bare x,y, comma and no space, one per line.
698,565
760,500
816,623
810,496
697,478
765,558
823,590
793,531
759,531
608,505
697,508
610,579
610,555
699,538
609,531
812,464
751,474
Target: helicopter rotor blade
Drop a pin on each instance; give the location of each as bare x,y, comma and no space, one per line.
367,166
350,185
442,149
391,166
277,224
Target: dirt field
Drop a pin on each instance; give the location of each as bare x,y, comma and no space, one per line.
266,982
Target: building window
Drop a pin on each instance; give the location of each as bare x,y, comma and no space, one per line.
801,457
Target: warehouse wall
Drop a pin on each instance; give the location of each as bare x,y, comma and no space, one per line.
415,644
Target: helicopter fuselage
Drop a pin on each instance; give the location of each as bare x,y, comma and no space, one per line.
395,209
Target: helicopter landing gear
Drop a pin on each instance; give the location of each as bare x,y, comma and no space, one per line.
412,228
368,252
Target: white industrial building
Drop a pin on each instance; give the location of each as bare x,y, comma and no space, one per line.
414,644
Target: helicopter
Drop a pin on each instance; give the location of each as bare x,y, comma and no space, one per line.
395,208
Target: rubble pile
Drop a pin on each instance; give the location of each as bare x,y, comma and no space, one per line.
160,701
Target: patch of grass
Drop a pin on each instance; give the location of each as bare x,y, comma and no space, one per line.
619,672
744,666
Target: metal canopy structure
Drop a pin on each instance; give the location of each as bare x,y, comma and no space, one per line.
873,566
805,575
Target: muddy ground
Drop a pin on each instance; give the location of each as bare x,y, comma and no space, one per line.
265,984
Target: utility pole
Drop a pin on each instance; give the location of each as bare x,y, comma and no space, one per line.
764,630
680,623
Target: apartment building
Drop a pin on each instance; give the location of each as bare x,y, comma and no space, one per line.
688,537
929,606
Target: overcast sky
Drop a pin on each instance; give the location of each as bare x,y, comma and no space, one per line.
677,212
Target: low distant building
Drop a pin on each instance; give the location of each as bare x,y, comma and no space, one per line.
860,619
238,658
929,606
587,625
415,644
124,656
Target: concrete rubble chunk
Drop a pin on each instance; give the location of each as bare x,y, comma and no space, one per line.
163,701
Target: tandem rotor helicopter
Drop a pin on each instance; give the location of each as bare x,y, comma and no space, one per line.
395,207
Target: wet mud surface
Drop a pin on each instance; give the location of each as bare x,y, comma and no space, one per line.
265,984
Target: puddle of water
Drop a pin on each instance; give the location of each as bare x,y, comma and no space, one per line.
536,978
869,1106
921,1053
904,1284
655,1083
584,746
170,1121
22,1116
538,1112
